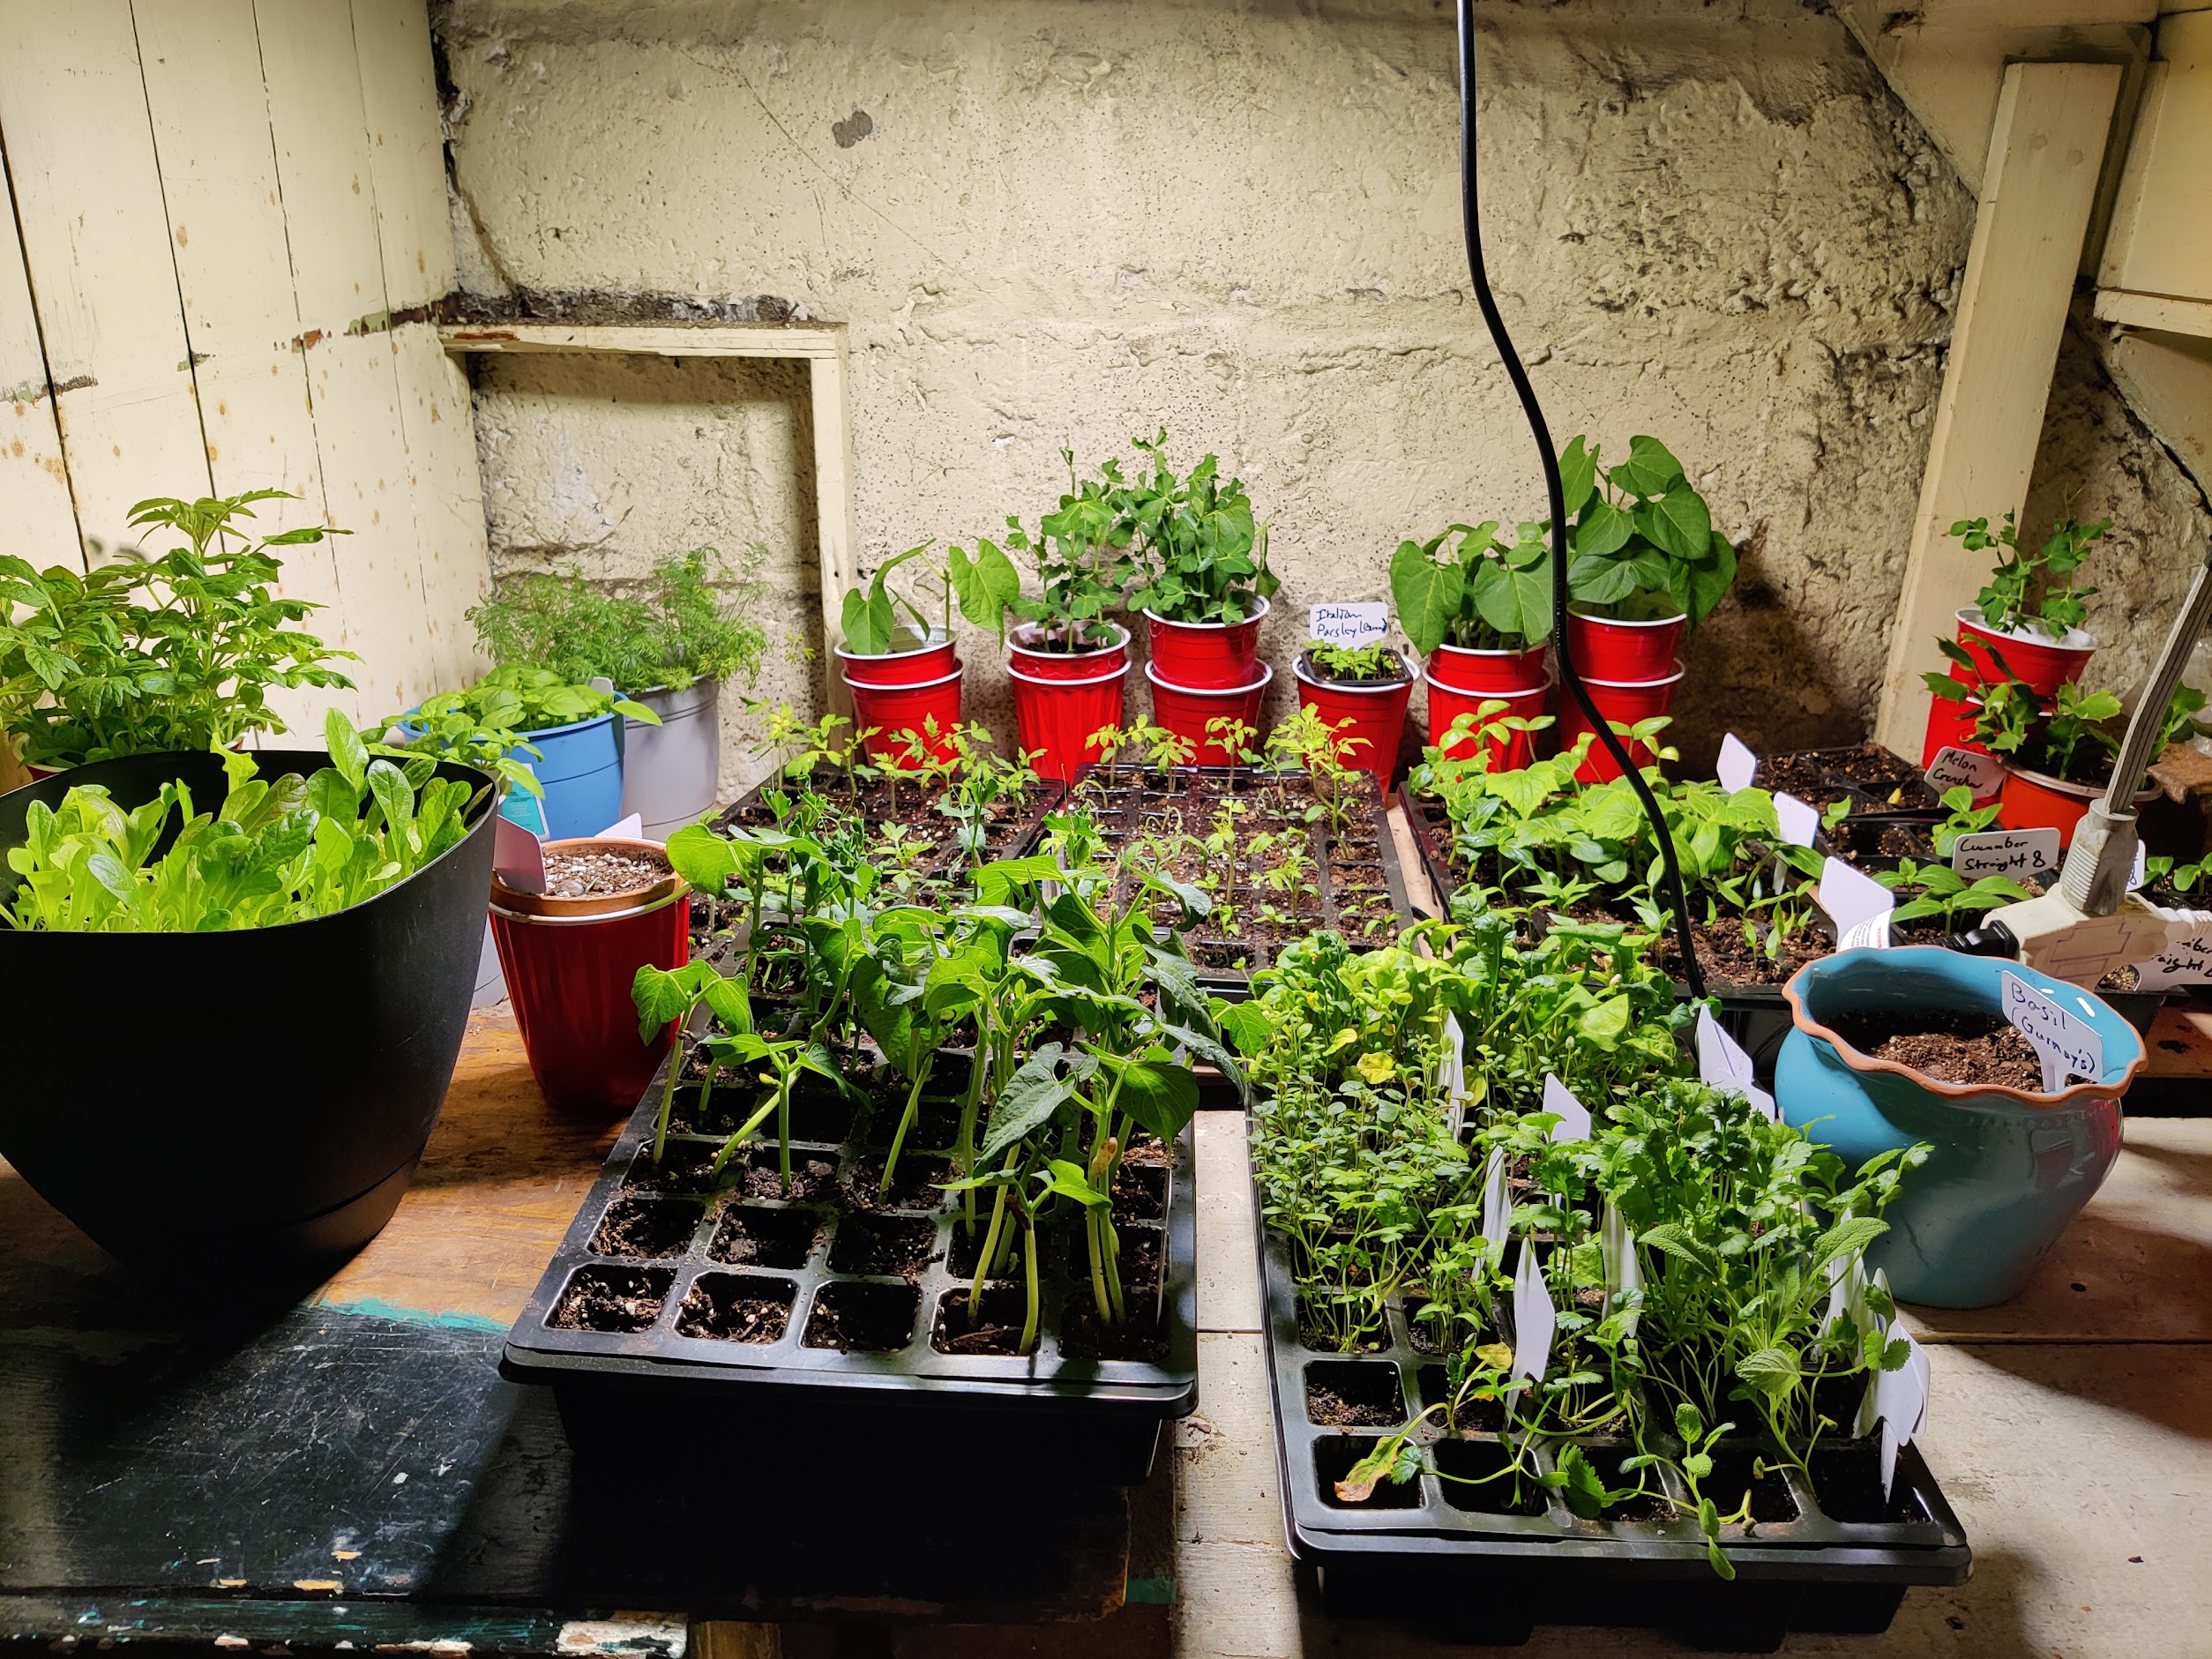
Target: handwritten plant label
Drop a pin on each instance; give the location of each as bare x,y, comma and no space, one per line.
2135,876
518,855
1799,821
1860,904
1951,767
1737,765
2002,852
2069,1045
1535,1319
1574,1117
2184,961
1348,624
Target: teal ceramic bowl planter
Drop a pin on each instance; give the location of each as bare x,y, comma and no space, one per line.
2011,1167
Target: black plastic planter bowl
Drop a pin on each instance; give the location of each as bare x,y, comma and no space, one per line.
247,1103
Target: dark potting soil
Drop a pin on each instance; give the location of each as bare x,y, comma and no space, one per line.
646,1228
1140,1336
1846,1482
756,1236
997,1328
1881,844
1141,1184
598,871
856,1317
1726,958
883,1245
1800,775
736,1308
1486,1417
916,1183
966,1253
813,1175
1353,1396
613,1299
1952,1047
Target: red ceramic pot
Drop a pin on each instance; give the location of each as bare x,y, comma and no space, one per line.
1056,718
1207,655
1500,673
1186,710
1027,654
2034,800
930,662
2040,663
1623,652
1621,703
1366,717
896,710
1447,703
569,964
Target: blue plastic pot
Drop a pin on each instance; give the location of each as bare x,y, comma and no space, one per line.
580,768
2011,1167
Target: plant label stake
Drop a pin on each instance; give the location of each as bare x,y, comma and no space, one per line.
2069,1047
2142,866
2015,853
628,829
1725,1065
1452,1068
1535,1319
518,857
1348,624
1901,1400
2186,961
1736,766
1623,1277
1496,1208
1951,767
1847,1290
1574,1117
1860,905
1799,821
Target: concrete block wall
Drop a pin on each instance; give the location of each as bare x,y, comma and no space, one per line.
1051,223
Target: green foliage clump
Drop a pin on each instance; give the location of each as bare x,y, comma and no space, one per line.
688,621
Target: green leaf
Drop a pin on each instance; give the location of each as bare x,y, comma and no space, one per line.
1578,472
1649,470
1069,1181
1161,1098
1428,595
1248,1027
1604,531
1032,1096
348,752
1680,522
1709,582
1772,1372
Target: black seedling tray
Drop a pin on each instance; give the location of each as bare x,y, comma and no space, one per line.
1120,809
694,1249
1914,799
1015,835
1489,1569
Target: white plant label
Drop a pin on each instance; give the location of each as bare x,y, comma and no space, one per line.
518,855
627,829
1574,1117
2184,961
1726,1067
1535,1318
1736,766
1623,1276
1870,935
1901,1400
1497,1206
1951,767
2014,853
2135,876
1349,624
2068,1044
1853,898
1799,821
1453,1066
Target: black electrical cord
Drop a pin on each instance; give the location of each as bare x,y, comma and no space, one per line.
1558,494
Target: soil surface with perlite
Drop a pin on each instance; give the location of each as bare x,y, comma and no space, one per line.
1951,1048
596,873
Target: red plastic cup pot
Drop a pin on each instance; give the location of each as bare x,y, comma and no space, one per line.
1028,654
1185,710
569,964
1951,725
2042,664
2034,800
1055,719
1500,673
1447,703
930,662
1621,703
1207,655
1367,717
896,710
1623,652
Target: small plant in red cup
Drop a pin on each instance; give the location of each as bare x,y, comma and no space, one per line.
2026,623
901,663
1648,566
1360,692
1477,608
1200,561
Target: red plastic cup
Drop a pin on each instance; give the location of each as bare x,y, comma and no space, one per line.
1207,655
1623,652
896,710
2032,800
1621,703
1366,719
2043,665
931,661
569,964
1500,673
1184,710
1024,656
1950,726
1055,719
1447,703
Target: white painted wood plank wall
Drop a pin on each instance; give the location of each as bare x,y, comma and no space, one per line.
224,205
